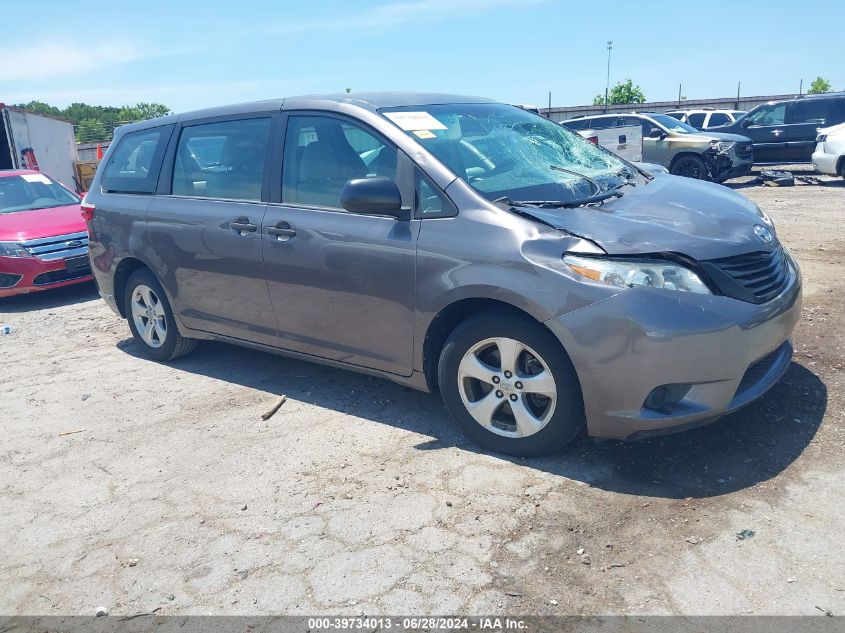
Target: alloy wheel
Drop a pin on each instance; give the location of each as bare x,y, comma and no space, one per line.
148,314
507,387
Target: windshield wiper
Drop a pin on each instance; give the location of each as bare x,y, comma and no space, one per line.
559,204
579,174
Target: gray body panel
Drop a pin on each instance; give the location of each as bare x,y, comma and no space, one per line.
363,292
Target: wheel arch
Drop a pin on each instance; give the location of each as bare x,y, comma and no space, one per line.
687,154
124,270
450,317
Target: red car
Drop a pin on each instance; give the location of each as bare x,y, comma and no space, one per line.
43,238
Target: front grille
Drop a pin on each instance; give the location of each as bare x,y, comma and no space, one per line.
7,280
743,150
757,370
55,276
49,249
761,275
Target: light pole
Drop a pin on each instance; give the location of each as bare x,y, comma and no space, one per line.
607,85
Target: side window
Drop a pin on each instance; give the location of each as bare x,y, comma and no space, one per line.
323,153
223,160
604,123
134,165
696,119
718,118
430,203
576,125
768,115
810,111
837,112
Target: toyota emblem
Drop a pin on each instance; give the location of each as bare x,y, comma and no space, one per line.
765,235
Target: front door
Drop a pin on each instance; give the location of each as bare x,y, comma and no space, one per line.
766,127
207,233
342,285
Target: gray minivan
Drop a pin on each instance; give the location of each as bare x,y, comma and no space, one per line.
540,283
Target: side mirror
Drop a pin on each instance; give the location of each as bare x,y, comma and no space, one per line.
657,134
373,196
744,122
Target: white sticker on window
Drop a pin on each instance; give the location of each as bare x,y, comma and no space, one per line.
410,121
36,178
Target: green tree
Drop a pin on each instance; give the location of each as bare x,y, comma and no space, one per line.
819,85
39,107
622,92
97,123
91,130
151,110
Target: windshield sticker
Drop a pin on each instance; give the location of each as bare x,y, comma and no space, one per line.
425,134
36,178
410,121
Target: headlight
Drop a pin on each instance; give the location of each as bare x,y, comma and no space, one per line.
627,274
722,146
13,249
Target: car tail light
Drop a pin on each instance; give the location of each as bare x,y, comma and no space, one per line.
593,139
87,211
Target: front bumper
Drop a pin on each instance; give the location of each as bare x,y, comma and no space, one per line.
728,352
22,275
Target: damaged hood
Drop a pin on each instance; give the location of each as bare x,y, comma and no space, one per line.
724,136
699,219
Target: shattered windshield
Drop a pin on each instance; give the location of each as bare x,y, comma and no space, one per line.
25,192
503,151
672,124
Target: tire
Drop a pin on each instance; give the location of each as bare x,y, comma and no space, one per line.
689,166
543,430
162,341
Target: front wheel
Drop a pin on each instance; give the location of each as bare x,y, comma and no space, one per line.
689,167
151,318
510,386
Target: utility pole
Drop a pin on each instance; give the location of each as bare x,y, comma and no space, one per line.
549,113
680,86
801,87
607,84
738,84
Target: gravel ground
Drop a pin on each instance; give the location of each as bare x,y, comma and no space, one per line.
136,485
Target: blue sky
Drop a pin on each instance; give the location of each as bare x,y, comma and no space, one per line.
194,54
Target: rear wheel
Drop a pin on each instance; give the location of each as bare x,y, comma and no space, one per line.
510,386
151,318
690,167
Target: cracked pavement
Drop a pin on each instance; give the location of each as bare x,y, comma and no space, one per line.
134,485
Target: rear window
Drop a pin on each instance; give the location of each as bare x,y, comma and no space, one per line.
578,124
134,165
810,111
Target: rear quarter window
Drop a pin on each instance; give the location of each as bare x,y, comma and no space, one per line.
134,165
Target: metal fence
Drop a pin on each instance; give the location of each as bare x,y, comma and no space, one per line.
724,103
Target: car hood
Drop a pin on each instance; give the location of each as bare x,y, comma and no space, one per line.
35,223
724,136
670,214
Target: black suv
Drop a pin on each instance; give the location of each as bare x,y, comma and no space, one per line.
785,131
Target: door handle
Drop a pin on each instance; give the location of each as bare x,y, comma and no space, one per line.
282,231
777,132
243,225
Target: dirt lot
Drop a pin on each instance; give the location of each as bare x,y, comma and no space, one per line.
135,485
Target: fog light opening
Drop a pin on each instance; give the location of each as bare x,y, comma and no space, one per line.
662,398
